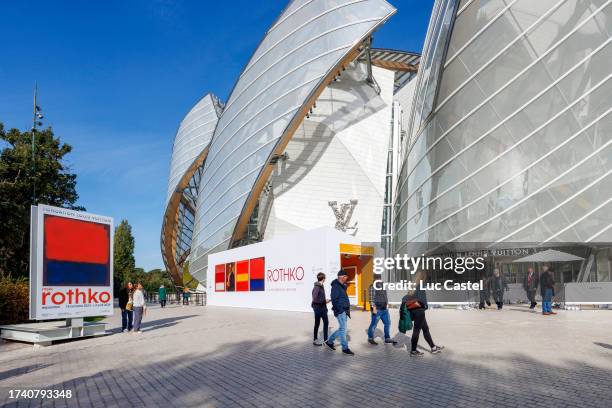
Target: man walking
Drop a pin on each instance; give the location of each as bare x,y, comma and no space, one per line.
379,311
319,306
342,311
531,282
547,290
498,285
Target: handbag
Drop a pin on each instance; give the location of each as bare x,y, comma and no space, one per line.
413,304
129,306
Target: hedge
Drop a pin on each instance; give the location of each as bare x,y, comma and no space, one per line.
14,298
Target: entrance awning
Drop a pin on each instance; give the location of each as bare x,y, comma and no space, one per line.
550,255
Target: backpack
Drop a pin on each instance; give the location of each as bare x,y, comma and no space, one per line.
405,322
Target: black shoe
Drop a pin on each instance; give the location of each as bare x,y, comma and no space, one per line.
316,343
436,349
416,353
349,352
330,345
373,342
390,341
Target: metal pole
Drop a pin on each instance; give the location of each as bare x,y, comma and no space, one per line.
34,120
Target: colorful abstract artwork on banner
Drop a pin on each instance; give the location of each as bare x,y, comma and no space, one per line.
257,270
75,253
241,276
220,278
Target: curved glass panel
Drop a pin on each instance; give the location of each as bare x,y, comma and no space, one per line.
519,145
301,48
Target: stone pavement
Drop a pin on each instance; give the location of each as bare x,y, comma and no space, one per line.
212,356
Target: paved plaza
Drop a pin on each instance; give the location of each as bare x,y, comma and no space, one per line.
210,356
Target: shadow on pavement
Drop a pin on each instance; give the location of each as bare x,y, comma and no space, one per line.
21,371
259,373
604,345
150,325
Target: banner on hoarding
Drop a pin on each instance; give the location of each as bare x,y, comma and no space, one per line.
276,274
71,264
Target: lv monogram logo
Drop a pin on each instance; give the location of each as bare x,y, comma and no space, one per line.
343,215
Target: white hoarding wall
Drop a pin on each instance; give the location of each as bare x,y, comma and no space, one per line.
71,264
277,274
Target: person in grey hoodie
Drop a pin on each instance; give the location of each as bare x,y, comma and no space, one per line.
342,310
379,303
319,306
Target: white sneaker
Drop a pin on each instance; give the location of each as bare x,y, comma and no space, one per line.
139,332
123,331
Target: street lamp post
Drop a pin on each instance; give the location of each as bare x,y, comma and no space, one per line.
36,117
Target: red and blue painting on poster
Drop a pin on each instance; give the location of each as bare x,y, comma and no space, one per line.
76,252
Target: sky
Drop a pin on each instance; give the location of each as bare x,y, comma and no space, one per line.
116,77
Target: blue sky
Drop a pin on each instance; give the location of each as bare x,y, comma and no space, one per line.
116,78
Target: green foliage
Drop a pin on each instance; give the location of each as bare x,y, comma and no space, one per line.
14,296
123,259
154,278
55,185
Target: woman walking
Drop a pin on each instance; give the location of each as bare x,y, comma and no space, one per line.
416,303
319,306
126,306
139,307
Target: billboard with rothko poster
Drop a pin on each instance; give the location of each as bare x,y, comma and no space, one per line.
276,274
71,264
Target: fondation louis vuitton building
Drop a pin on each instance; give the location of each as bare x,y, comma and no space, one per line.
500,132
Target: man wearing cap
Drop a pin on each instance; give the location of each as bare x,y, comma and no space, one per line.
342,310
379,304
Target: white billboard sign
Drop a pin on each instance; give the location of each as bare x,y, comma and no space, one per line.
277,274
71,264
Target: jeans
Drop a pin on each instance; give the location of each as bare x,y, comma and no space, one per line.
126,319
137,317
341,332
420,323
162,303
320,315
375,317
547,301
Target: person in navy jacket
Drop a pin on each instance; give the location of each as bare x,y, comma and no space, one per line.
342,311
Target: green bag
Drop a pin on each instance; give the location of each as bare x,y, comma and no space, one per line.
405,322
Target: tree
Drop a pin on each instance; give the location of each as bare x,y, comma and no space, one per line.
19,176
123,259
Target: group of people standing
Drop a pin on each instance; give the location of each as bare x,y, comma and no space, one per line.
496,285
133,306
379,310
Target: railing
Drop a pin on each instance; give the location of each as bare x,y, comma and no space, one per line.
195,298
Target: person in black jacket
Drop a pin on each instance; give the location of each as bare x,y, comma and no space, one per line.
498,285
530,284
319,306
342,310
485,292
125,297
416,302
547,290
